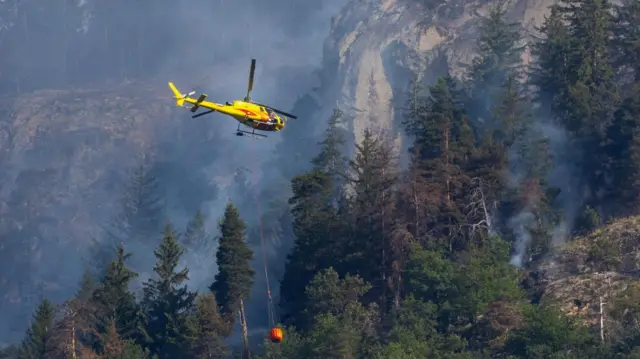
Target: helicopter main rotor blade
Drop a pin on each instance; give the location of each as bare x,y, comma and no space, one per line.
276,110
251,73
202,114
284,113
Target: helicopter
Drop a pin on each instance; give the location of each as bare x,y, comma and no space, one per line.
247,112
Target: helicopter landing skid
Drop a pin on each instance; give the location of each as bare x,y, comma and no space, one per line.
252,134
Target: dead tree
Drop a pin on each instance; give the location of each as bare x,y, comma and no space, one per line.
245,331
479,210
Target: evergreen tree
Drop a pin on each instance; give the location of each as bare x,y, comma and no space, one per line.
624,151
441,154
235,277
627,36
142,208
331,160
592,92
113,300
373,178
117,348
38,343
196,237
206,330
342,326
316,223
551,72
499,58
9,352
167,301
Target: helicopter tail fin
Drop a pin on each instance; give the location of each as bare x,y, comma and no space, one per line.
177,95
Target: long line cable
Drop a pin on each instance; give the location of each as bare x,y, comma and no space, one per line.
270,308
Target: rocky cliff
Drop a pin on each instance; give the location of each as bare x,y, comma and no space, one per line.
376,47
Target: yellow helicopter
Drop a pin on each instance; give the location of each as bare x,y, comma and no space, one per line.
247,112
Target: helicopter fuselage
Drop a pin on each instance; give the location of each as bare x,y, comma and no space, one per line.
247,113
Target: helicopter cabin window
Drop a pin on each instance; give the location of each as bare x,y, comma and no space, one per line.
262,109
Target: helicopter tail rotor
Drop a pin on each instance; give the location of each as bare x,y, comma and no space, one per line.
179,96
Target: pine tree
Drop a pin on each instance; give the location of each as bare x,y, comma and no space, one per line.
38,343
593,95
87,286
624,151
206,330
511,113
592,92
331,159
372,180
235,277
142,208
442,154
627,36
196,237
499,58
113,300
551,72
342,326
167,301
316,223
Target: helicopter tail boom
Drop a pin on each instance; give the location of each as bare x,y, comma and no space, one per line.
179,96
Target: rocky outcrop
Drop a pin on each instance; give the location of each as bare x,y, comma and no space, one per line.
594,268
376,46
72,142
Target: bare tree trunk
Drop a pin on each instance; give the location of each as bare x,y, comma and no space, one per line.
601,321
245,331
73,339
447,164
417,219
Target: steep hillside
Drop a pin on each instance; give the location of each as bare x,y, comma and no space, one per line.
75,139
66,156
601,266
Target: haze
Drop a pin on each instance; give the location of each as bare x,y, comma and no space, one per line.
200,45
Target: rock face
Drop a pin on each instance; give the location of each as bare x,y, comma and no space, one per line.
598,266
375,47
67,142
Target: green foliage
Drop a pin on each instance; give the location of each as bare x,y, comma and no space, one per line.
206,329
548,334
113,300
316,221
392,264
499,58
627,33
167,301
235,276
38,341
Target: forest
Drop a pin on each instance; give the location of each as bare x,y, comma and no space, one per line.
424,262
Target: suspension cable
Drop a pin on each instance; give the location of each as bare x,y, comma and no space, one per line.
270,314
270,307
